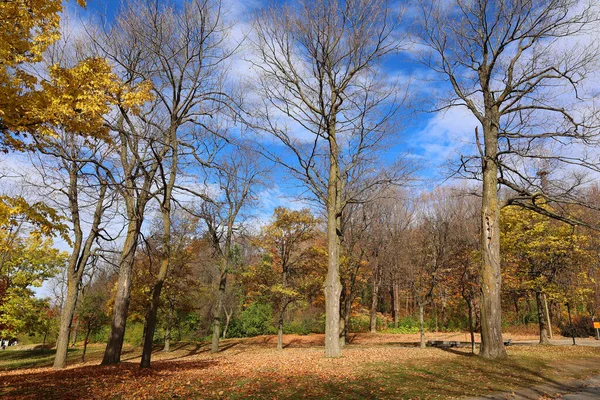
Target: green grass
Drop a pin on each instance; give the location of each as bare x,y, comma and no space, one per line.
38,358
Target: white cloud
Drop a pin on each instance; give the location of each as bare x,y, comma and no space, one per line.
446,135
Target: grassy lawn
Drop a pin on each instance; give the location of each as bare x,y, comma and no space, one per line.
256,370
36,358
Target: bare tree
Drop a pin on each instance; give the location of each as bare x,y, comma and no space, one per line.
236,177
512,64
180,50
392,215
185,59
323,97
71,173
138,146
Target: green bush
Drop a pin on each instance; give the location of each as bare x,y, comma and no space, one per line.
134,333
256,319
405,325
297,328
305,325
359,323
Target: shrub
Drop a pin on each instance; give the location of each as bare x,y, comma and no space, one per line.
582,327
134,333
256,319
405,325
297,328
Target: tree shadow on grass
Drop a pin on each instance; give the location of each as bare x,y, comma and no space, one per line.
32,358
91,381
467,375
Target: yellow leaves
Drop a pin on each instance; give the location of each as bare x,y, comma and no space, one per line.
76,99
45,221
133,98
27,28
538,250
72,99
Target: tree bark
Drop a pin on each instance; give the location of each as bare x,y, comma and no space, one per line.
220,297
471,327
151,316
280,333
333,286
167,347
85,342
112,354
66,318
75,329
548,320
374,298
44,341
541,318
227,321
77,261
492,344
344,328
395,302
422,324
165,208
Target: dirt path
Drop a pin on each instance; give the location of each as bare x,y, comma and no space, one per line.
579,389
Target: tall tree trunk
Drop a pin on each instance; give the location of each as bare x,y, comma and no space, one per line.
227,321
167,346
333,286
77,261
345,329
75,329
471,327
422,324
374,298
151,316
66,318
444,312
283,305
548,320
220,298
395,302
280,332
165,209
85,342
541,318
492,344
342,337
112,354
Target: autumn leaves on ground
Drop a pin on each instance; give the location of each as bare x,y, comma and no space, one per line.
372,366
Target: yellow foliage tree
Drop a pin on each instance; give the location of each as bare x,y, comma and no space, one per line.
73,99
543,256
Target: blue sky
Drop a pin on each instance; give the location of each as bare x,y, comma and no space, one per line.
429,139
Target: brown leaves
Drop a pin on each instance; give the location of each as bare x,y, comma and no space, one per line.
373,366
